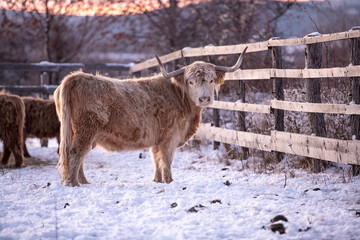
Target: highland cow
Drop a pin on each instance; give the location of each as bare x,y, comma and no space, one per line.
12,117
41,120
161,112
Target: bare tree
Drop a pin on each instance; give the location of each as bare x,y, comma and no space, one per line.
45,30
176,24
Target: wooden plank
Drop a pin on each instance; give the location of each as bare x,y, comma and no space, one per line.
253,74
268,73
45,66
352,109
249,74
316,107
334,150
315,39
55,67
27,90
224,50
153,63
244,139
350,71
244,107
238,48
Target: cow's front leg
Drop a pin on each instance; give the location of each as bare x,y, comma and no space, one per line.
156,158
166,155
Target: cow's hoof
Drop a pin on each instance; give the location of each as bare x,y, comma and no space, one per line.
3,164
19,165
157,178
72,184
168,180
84,181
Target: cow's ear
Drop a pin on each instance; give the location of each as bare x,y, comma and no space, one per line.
179,81
219,77
219,81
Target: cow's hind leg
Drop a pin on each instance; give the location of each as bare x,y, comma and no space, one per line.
79,148
5,155
82,178
18,155
26,152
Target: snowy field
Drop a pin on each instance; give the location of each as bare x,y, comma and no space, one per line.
207,200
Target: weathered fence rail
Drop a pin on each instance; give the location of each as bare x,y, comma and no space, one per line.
238,48
55,67
46,67
316,147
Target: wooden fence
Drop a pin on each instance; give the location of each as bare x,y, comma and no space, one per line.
47,67
317,146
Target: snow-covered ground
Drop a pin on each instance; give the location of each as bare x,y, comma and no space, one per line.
207,200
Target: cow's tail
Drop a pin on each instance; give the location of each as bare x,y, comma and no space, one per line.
62,101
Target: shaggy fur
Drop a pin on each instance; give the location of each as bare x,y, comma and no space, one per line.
12,116
118,115
41,120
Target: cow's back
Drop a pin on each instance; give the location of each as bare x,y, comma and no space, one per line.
41,119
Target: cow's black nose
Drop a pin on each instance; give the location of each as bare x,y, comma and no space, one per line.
204,99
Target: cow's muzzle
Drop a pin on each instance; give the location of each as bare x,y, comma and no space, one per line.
204,100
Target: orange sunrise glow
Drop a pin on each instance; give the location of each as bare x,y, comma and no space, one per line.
100,7
90,7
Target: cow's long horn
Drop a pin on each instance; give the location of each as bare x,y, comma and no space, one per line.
235,67
165,73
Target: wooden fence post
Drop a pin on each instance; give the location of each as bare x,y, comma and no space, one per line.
355,92
44,80
241,116
278,94
313,59
216,115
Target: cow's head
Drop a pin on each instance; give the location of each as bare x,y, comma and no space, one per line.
200,79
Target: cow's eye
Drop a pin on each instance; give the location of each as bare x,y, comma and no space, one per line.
191,83
211,81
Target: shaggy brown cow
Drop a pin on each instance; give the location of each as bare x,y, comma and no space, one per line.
12,116
153,112
41,120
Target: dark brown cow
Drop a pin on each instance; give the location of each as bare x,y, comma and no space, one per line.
159,112
12,116
41,120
